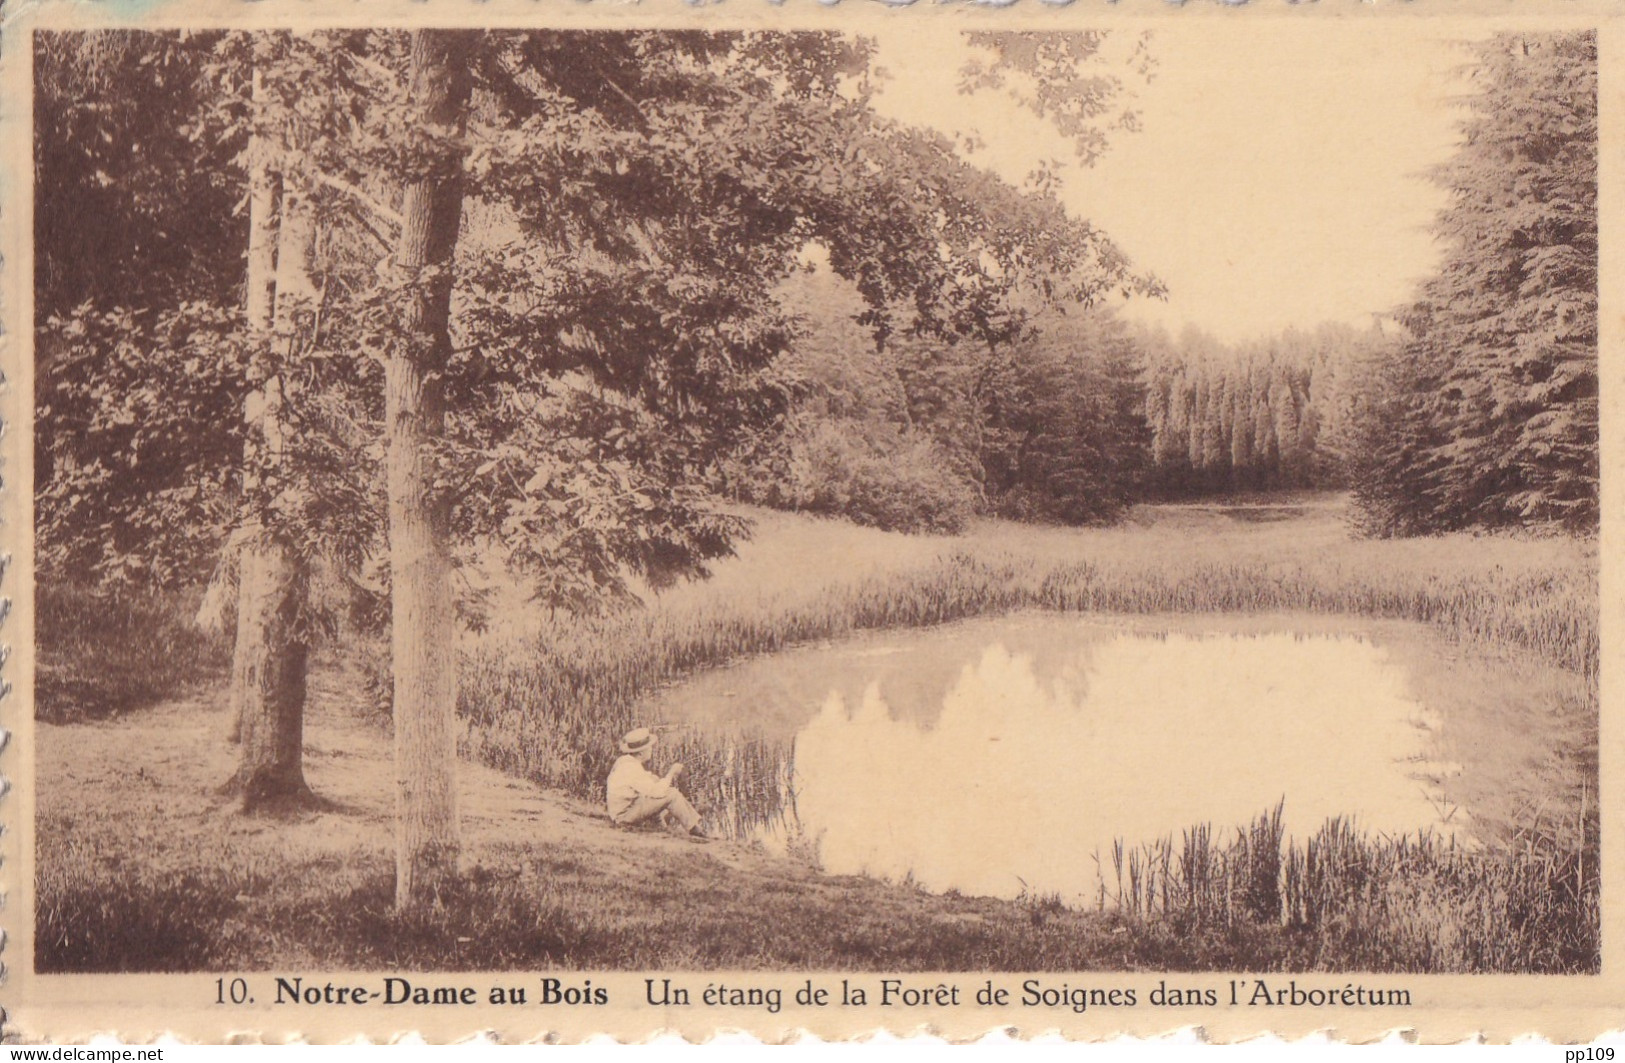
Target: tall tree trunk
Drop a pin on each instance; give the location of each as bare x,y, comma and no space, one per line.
264,186
424,620
264,189
272,648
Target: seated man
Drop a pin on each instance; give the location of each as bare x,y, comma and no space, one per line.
636,795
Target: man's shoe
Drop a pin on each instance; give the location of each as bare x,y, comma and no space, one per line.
698,834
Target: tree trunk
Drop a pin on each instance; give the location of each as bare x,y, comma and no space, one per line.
272,647
259,300
422,598
263,188
268,674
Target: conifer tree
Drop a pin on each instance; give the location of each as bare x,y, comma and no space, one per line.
1494,420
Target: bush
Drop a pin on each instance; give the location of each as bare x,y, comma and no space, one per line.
106,652
877,475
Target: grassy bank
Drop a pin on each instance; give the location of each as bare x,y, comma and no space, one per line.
1418,903
547,705
141,866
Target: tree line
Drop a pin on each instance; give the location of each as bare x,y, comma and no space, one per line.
1475,405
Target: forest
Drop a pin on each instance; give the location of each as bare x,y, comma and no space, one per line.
326,323
1475,405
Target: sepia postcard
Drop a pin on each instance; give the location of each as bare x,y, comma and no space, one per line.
547,521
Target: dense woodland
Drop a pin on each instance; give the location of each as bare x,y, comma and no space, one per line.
347,310
1277,413
1474,406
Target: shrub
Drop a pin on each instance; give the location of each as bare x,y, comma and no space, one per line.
878,476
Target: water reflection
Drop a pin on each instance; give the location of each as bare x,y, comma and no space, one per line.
997,757
1019,782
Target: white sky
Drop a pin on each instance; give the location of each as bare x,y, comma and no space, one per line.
1278,178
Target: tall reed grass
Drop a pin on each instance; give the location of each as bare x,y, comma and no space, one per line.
550,709
1346,898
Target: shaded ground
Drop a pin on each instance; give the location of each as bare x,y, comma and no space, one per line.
129,812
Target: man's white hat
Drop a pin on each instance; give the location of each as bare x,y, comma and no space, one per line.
637,741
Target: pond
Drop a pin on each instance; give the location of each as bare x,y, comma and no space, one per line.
1003,756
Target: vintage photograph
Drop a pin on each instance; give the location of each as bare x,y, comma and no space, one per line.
927,498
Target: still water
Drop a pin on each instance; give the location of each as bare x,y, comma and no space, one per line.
999,756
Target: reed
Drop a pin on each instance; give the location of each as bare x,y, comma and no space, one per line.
1344,898
103,653
550,707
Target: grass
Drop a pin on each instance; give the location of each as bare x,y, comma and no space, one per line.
110,653
548,711
143,867
548,706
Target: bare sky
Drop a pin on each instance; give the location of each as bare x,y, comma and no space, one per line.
1278,178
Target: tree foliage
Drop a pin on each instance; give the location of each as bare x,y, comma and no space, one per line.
1270,413
1071,433
138,361
1491,419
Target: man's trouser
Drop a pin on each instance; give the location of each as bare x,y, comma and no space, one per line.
646,808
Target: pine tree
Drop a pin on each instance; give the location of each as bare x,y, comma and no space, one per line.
1497,422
